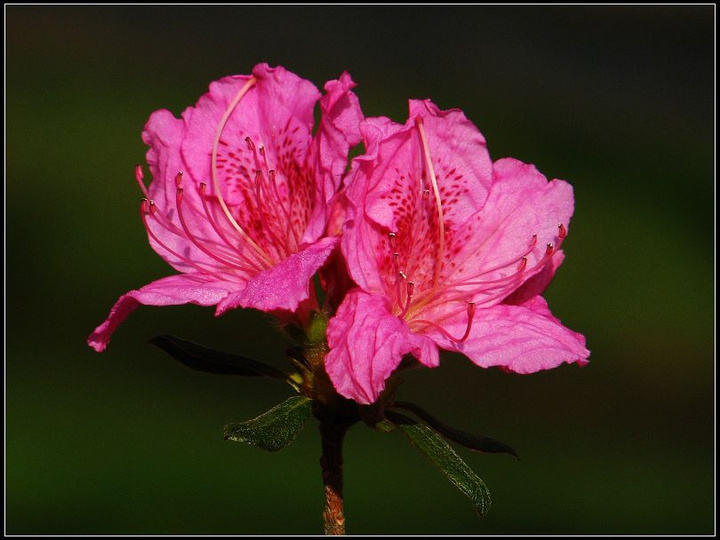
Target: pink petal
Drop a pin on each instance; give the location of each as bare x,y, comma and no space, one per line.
367,343
276,113
537,284
338,131
164,134
523,339
284,285
385,189
521,203
460,160
168,291
359,241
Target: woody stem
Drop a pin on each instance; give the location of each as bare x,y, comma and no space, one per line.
332,435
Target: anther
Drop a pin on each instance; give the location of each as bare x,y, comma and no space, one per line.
562,231
410,288
392,239
522,265
426,194
178,179
549,249
533,242
180,192
402,274
251,145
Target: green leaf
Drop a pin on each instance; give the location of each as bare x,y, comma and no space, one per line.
209,360
446,459
275,429
474,442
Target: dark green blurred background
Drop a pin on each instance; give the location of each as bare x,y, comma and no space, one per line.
617,100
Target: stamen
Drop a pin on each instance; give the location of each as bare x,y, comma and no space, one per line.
392,238
216,181
178,179
522,265
291,233
144,204
433,180
163,221
409,289
562,231
549,249
495,268
253,263
471,317
468,328
200,245
271,224
258,182
141,180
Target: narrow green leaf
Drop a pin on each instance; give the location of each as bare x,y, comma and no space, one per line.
208,360
446,459
275,429
474,442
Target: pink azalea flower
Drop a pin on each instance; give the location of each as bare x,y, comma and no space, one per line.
240,195
448,250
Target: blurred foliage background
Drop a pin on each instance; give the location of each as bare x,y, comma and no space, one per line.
617,100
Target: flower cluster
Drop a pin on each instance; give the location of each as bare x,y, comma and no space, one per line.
422,243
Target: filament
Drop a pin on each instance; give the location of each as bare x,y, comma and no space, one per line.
216,182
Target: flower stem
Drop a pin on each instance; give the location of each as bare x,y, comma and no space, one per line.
331,461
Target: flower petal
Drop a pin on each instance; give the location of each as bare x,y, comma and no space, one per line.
284,285
172,290
338,131
391,190
523,339
521,204
537,284
367,343
276,113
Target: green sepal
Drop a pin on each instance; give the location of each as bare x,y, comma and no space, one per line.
446,459
478,443
275,429
317,328
200,358
386,426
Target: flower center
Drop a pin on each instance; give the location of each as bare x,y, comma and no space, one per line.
425,255
265,229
